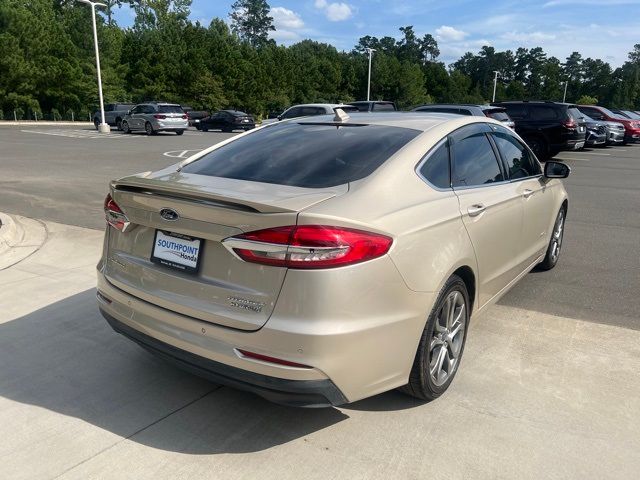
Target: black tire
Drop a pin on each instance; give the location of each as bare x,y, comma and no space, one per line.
226,130
539,147
148,128
96,123
125,127
204,129
421,384
555,242
179,132
119,123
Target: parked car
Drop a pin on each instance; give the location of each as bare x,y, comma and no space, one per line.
155,117
597,132
547,127
316,265
615,132
374,106
311,109
227,121
497,113
113,114
194,116
626,114
631,127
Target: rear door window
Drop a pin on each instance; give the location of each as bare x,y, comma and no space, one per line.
383,107
518,159
311,155
435,168
474,161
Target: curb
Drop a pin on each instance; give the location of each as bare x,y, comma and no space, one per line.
20,237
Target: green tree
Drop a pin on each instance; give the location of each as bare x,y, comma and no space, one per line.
250,20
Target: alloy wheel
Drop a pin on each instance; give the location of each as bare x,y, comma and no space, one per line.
448,338
556,239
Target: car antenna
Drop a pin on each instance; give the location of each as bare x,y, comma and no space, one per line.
341,115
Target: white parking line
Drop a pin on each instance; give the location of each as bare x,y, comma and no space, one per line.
578,159
181,153
599,154
76,134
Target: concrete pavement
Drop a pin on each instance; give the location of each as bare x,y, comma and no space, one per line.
537,396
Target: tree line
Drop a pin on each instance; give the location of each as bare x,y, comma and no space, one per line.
47,64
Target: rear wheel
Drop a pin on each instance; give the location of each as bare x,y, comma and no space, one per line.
125,127
119,123
441,344
555,243
148,128
96,122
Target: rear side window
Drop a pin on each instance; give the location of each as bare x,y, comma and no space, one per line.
435,168
519,162
544,113
474,162
170,109
305,154
517,111
292,113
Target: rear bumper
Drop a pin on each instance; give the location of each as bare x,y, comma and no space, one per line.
297,393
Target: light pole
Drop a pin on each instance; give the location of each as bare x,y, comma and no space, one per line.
495,84
564,97
370,50
103,127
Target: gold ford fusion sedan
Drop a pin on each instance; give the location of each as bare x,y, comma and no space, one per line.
323,260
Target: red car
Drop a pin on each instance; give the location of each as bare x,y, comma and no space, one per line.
631,126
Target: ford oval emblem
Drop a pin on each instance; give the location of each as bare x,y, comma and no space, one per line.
169,214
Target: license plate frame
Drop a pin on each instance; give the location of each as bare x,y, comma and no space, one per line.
178,251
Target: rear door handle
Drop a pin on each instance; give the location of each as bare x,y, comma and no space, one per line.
527,193
476,209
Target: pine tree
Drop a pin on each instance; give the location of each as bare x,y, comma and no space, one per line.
250,20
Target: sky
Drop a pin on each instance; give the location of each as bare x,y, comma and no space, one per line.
605,29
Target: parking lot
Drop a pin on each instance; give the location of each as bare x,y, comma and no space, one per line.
548,386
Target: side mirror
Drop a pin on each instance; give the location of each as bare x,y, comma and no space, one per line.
128,112
556,170
279,117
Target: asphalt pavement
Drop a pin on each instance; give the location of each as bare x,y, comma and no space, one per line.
62,175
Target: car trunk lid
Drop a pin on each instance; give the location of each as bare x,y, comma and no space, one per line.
224,290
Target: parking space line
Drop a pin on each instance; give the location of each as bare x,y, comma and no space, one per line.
595,153
578,159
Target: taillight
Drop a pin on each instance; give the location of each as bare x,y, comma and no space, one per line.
114,214
160,117
266,358
184,117
308,246
571,123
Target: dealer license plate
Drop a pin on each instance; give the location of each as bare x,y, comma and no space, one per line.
178,251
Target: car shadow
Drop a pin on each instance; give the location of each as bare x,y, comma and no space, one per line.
66,359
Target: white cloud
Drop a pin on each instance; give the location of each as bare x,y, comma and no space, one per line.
336,11
286,36
446,32
527,37
283,18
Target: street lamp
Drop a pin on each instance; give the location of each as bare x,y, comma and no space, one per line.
564,97
495,84
370,50
103,127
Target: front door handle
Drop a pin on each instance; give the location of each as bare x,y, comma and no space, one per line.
476,209
527,193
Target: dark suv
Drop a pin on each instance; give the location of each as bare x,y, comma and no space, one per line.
547,127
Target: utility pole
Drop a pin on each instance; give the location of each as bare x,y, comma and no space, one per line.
495,84
103,127
370,50
564,97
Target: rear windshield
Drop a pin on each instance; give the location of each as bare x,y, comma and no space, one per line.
384,107
170,109
498,115
310,155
